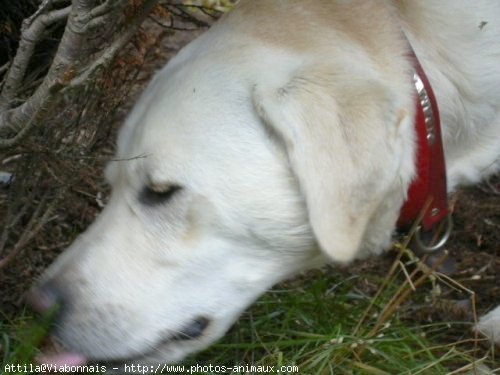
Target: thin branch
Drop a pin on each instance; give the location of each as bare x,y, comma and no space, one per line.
492,188
105,8
35,224
171,25
403,292
9,142
44,5
188,17
4,67
109,54
29,38
12,222
70,67
83,6
99,16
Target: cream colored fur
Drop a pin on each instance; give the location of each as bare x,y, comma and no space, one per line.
289,127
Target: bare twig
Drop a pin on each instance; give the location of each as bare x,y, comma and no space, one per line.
44,5
109,54
35,224
492,188
404,292
391,275
4,67
100,15
30,36
170,26
9,142
408,278
181,12
71,66
105,8
12,223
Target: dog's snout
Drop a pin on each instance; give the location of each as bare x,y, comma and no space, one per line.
44,298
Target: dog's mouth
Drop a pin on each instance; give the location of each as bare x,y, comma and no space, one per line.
191,331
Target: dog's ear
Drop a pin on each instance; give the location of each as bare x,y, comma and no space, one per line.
338,131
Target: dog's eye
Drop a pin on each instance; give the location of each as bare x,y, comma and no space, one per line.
153,195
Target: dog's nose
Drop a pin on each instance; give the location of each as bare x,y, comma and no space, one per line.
43,298
193,330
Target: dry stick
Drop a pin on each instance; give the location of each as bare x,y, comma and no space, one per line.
448,280
455,285
117,45
23,117
408,277
469,366
30,36
392,272
16,219
397,299
4,67
98,16
186,16
5,232
9,142
105,8
68,61
44,5
34,226
493,189
388,279
452,283
170,26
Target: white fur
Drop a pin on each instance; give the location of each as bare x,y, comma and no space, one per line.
294,145
489,325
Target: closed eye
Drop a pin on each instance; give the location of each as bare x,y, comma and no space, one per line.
152,195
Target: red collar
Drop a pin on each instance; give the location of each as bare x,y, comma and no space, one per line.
427,196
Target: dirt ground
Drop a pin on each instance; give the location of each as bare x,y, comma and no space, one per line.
474,245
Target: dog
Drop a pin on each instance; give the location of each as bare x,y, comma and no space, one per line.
281,139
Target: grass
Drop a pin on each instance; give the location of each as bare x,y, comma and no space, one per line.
20,339
326,323
318,330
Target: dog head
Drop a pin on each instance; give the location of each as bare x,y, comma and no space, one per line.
236,169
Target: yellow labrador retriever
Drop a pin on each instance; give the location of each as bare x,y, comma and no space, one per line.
281,139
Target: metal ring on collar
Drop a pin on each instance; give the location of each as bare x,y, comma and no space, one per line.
440,243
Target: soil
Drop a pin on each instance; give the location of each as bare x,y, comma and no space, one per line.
474,244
